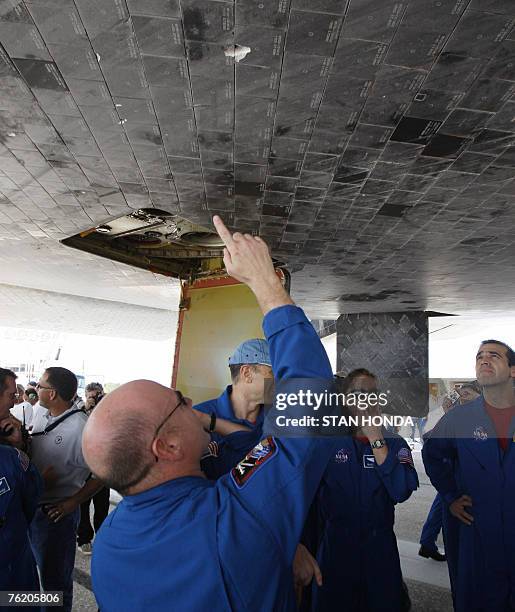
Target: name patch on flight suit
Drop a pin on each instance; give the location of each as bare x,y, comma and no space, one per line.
369,461
257,457
4,485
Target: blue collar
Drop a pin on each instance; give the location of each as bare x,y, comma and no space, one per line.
225,410
167,492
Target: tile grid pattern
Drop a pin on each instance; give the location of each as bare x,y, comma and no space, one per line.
370,143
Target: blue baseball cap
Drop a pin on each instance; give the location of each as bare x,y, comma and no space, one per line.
254,351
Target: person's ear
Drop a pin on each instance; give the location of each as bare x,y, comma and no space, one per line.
167,447
246,373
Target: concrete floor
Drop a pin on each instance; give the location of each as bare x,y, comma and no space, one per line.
427,580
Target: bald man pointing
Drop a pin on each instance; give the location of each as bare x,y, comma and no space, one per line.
178,541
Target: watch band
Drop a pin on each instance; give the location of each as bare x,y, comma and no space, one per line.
377,443
212,423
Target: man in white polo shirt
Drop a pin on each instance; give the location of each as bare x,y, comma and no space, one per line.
57,453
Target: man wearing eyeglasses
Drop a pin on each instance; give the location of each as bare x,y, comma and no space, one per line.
57,453
178,541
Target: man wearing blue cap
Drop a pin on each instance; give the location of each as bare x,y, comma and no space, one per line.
242,402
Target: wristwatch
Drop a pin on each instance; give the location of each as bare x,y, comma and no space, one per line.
377,443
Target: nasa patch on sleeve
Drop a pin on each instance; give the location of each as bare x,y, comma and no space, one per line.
254,461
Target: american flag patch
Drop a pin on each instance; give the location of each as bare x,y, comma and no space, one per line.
24,460
404,456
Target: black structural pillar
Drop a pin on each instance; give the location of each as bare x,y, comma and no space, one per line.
394,346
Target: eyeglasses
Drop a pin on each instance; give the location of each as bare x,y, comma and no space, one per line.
38,386
181,402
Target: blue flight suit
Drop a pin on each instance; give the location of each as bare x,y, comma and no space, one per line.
222,407
193,545
20,490
432,525
230,450
358,553
462,456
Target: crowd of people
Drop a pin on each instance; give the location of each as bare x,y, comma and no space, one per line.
217,514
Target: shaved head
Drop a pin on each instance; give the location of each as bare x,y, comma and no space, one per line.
140,435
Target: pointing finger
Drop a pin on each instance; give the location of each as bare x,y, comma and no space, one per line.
222,231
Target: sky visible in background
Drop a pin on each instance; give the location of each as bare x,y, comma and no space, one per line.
453,342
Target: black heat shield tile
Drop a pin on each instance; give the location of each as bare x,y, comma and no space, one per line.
212,91
415,182
304,73
59,24
135,110
14,11
501,66
330,142
433,14
358,58
208,21
41,75
433,104
504,119
165,71
350,174
454,180
288,147
157,8
370,136
319,180
429,165
488,94
158,36
171,100
280,183
251,153
127,81
485,29
313,33
101,16
465,123
77,62
391,210
454,72
361,157
254,113
369,21
209,60
415,48
272,13
144,135
404,198
22,40
494,174
507,158
89,92
266,45
284,167
257,81
473,162
217,160
414,130
279,198
491,141
389,171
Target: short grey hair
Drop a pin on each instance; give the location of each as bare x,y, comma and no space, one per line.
128,457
